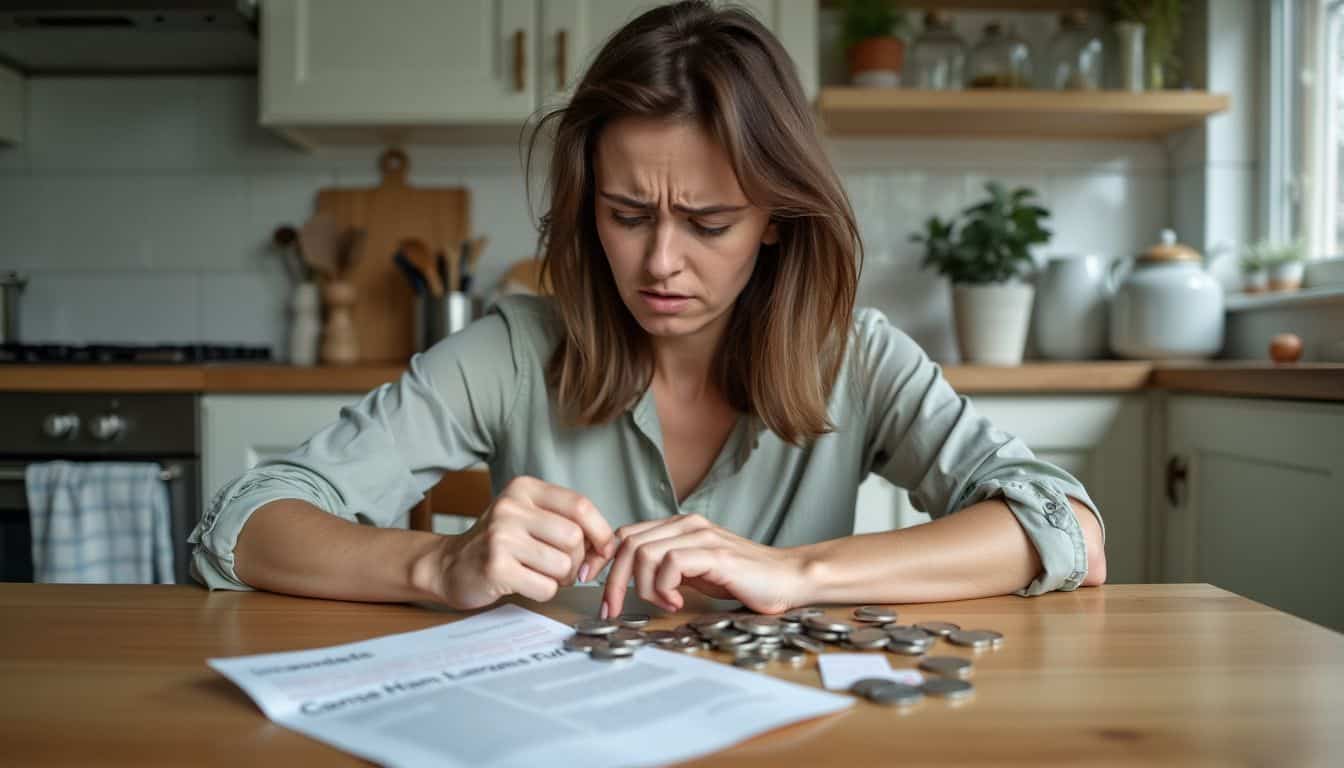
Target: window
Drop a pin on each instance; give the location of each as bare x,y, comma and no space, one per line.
1304,130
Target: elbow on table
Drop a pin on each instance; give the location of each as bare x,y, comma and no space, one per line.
1095,544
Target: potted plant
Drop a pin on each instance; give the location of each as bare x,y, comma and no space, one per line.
1161,20
1266,265
1254,270
874,42
986,257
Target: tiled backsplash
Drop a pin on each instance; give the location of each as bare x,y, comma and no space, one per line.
141,208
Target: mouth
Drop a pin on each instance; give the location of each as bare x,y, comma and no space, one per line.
662,294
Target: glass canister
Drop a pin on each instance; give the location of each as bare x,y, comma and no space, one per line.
1074,56
1000,60
938,55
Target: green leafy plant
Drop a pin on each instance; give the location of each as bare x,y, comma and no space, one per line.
873,18
1266,253
1162,32
993,242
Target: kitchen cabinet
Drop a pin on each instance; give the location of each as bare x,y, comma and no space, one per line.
349,71
1254,501
13,104
1100,439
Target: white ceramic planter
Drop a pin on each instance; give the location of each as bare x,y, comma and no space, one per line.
1286,276
992,321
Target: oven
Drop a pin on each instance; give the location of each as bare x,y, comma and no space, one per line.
37,427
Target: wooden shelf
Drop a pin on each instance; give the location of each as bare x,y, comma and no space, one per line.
1021,114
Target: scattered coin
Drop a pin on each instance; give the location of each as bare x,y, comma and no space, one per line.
867,638
948,688
823,624
864,685
893,694
975,638
947,666
584,643
907,649
751,661
940,628
805,643
874,614
632,638
595,627
909,635
612,652
825,637
758,625
633,620
791,657
797,615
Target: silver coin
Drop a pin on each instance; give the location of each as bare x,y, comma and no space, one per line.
825,637
612,652
686,630
805,643
595,627
862,686
797,615
791,657
940,628
975,638
743,649
659,635
823,624
672,643
631,638
689,648
867,638
909,635
633,620
729,638
907,649
947,666
751,661
584,643
948,688
758,625
894,694
706,624
874,614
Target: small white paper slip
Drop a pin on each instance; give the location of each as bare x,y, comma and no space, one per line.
839,671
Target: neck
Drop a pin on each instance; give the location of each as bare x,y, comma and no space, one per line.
683,366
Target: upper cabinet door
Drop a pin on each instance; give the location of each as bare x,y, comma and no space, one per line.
407,62
572,32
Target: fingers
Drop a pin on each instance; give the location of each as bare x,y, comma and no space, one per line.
651,557
633,538
572,505
684,564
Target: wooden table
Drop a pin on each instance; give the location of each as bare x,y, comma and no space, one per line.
1183,674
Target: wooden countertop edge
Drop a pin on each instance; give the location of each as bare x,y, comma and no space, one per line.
1305,381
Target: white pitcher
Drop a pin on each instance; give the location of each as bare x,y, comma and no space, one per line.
1071,296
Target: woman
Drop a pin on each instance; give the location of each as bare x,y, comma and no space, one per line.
695,407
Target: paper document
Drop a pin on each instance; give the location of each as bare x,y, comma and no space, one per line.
498,689
839,671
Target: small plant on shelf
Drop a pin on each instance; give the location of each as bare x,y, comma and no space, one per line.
874,40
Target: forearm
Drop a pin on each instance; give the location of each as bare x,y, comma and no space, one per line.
980,551
293,547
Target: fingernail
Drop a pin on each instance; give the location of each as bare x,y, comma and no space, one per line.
583,572
603,613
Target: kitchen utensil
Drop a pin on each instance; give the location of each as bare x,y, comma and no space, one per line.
11,287
320,240
352,247
417,253
1167,306
388,213
411,272
286,239
340,346
1070,308
305,324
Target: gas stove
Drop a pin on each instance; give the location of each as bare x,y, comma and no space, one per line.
131,354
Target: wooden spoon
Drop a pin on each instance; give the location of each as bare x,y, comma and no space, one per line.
418,254
321,243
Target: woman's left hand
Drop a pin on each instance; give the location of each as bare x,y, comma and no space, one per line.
688,550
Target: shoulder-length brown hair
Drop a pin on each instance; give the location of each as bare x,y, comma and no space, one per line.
790,327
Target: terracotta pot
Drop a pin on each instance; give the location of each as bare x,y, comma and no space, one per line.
877,54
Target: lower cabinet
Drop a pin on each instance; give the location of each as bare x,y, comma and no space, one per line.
1253,501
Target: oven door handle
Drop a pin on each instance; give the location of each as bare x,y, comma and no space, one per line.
167,474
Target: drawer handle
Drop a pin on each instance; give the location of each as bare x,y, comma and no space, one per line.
520,60
1177,473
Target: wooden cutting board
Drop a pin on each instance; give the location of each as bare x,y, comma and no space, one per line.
389,213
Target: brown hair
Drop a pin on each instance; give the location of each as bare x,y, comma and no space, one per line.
790,327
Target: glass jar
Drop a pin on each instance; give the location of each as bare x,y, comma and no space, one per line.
1074,56
938,55
1000,60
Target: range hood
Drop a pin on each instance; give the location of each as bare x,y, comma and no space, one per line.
128,37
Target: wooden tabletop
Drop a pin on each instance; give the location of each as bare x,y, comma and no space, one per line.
1179,674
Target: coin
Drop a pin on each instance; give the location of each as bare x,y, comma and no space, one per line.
894,694
612,652
758,625
633,620
805,643
584,643
861,687
595,627
948,688
874,614
975,638
867,638
946,666
909,635
907,649
659,635
724,637
628,637
751,661
823,624
827,637
941,628
797,615
791,657
711,621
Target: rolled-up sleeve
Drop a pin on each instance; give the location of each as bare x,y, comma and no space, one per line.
380,457
925,438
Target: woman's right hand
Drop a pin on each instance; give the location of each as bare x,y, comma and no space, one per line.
534,539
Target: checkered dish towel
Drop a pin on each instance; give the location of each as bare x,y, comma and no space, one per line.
100,523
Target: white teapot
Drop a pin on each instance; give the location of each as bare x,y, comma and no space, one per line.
1167,306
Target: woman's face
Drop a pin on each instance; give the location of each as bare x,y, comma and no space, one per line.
677,229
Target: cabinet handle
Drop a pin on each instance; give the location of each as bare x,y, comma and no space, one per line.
520,60
1177,473
561,56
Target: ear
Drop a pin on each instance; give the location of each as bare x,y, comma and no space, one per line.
771,234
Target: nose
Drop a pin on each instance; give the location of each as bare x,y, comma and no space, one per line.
664,258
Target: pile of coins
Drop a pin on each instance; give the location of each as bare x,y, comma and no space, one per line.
754,641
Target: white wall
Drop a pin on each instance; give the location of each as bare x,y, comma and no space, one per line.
141,208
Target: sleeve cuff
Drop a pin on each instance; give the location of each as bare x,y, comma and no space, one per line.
1045,514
